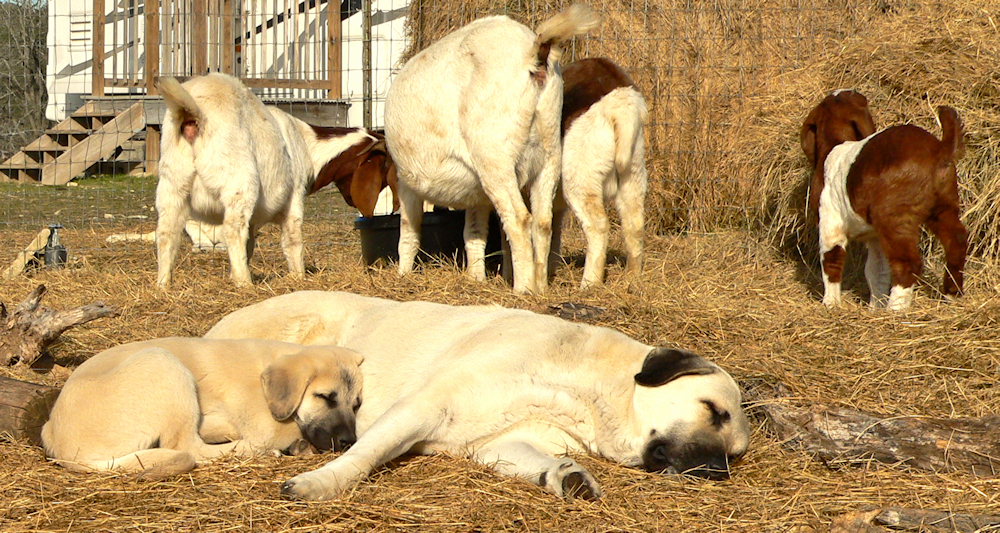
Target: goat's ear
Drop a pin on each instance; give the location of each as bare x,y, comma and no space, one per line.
807,135
663,365
367,183
864,124
285,383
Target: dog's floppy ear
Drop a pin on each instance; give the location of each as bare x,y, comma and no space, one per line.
664,365
285,383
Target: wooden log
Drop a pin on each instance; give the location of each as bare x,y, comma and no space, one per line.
902,519
27,255
846,436
30,329
24,409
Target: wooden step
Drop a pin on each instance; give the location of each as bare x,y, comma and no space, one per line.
97,146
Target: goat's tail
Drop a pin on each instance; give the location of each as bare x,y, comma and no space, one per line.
627,121
577,19
952,134
181,105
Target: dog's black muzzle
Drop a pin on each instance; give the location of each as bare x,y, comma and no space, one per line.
693,458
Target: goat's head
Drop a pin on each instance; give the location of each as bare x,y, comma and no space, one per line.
360,173
842,116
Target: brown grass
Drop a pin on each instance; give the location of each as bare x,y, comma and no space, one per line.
727,296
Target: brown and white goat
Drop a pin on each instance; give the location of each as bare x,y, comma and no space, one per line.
472,121
360,172
602,120
880,188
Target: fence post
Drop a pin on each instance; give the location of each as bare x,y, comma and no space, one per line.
97,62
366,62
333,50
199,35
152,68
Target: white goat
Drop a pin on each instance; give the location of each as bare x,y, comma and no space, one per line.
228,159
602,120
471,122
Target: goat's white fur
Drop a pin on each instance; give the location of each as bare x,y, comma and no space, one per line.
247,166
469,126
603,160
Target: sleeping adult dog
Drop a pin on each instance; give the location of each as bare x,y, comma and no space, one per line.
508,388
157,407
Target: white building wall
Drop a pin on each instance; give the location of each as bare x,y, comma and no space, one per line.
269,53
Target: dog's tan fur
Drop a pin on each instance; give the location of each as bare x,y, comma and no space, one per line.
158,407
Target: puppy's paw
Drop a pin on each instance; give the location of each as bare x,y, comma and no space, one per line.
301,447
317,485
570,480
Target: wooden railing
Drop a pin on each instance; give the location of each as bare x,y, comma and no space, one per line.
297,47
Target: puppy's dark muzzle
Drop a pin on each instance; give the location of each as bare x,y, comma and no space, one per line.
337,439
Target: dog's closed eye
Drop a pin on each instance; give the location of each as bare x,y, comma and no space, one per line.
330,398
719,416
357,404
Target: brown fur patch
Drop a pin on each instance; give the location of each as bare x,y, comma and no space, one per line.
359,172
585,82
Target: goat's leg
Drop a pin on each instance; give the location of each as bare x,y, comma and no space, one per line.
901,248
832,251
236,228
878,275
630,203
547,123
542,195
516,222
291,238
477,223
411,214
588,207
172,213
558,218
954,238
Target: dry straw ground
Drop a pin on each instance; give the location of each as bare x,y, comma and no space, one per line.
728,296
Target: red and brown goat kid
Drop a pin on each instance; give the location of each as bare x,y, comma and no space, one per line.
880,188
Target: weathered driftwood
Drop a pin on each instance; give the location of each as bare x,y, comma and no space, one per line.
24,408
29,329
901,519
838,435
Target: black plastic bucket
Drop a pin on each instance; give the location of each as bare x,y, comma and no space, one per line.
440,237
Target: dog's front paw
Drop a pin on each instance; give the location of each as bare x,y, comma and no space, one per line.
570,480
313,486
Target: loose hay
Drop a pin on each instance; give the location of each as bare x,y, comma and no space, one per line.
727,296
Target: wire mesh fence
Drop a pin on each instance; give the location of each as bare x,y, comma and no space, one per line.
727,82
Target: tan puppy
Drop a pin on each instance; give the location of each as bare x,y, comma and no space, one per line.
157,407
507,388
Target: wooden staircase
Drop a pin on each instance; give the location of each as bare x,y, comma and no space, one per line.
97,132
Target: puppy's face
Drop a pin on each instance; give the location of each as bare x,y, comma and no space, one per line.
689,414
320,387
